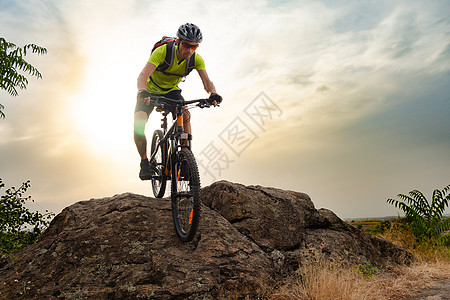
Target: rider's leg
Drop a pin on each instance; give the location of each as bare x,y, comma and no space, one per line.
141,113
186,125
176,94
187,121
140,120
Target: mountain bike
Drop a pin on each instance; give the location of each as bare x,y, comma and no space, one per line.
171,158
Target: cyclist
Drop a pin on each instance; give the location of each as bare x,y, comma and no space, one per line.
153,81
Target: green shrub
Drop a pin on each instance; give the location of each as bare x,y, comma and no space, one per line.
367,270
19,227
425,219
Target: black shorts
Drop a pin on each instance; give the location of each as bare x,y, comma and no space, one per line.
142,106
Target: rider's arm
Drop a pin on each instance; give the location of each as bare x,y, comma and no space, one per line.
142,79
209,87
144,75
207,83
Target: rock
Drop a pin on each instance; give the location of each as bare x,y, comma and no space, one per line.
272,218
286,225
125,247
3,260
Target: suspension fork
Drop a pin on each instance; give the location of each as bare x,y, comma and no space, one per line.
177,137
175,143
184,138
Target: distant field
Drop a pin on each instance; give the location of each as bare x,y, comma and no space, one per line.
371,225
365,225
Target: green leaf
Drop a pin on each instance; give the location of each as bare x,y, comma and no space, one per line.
11,61
425,218
16,218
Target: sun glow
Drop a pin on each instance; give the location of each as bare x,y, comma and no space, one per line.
103,110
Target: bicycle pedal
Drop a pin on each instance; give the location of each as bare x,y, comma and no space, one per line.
154,169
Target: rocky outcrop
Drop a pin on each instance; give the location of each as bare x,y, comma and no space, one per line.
125,247
286,226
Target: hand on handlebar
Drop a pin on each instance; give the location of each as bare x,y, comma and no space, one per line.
143,96
215,99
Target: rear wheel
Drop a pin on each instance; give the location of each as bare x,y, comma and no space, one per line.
159,181
186,196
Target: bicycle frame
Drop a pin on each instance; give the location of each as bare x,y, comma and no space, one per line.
174,134
172,159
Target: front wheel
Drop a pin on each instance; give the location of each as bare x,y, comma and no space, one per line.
159,179
186,196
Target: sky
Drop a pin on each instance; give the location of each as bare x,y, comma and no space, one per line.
346,101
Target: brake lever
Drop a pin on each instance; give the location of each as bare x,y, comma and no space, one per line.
204,104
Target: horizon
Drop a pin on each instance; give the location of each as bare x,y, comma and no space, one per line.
344,101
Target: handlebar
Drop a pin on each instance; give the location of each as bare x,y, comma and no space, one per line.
161,102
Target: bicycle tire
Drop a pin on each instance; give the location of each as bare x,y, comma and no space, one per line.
159,185
185,196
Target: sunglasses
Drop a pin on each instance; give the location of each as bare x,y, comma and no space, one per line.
193,47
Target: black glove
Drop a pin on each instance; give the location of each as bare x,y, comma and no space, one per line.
215,97
142,94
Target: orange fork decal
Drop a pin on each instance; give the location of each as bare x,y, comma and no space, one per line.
190,216
180,121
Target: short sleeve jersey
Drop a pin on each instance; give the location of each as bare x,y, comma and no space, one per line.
169,82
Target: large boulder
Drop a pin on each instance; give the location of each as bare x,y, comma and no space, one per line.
286,225
125,247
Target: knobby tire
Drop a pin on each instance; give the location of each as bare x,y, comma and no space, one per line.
186,196
159,184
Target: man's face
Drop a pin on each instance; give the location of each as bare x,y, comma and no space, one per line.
186,48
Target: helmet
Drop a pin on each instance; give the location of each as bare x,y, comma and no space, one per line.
190,32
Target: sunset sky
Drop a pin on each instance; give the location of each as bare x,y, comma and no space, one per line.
347,101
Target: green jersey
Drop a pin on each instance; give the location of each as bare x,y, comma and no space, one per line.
161,83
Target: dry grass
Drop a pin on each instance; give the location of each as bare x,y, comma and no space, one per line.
422,251
327,280
323,280
406,281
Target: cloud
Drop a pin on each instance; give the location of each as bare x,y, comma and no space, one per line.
360,68
349,76
328,78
